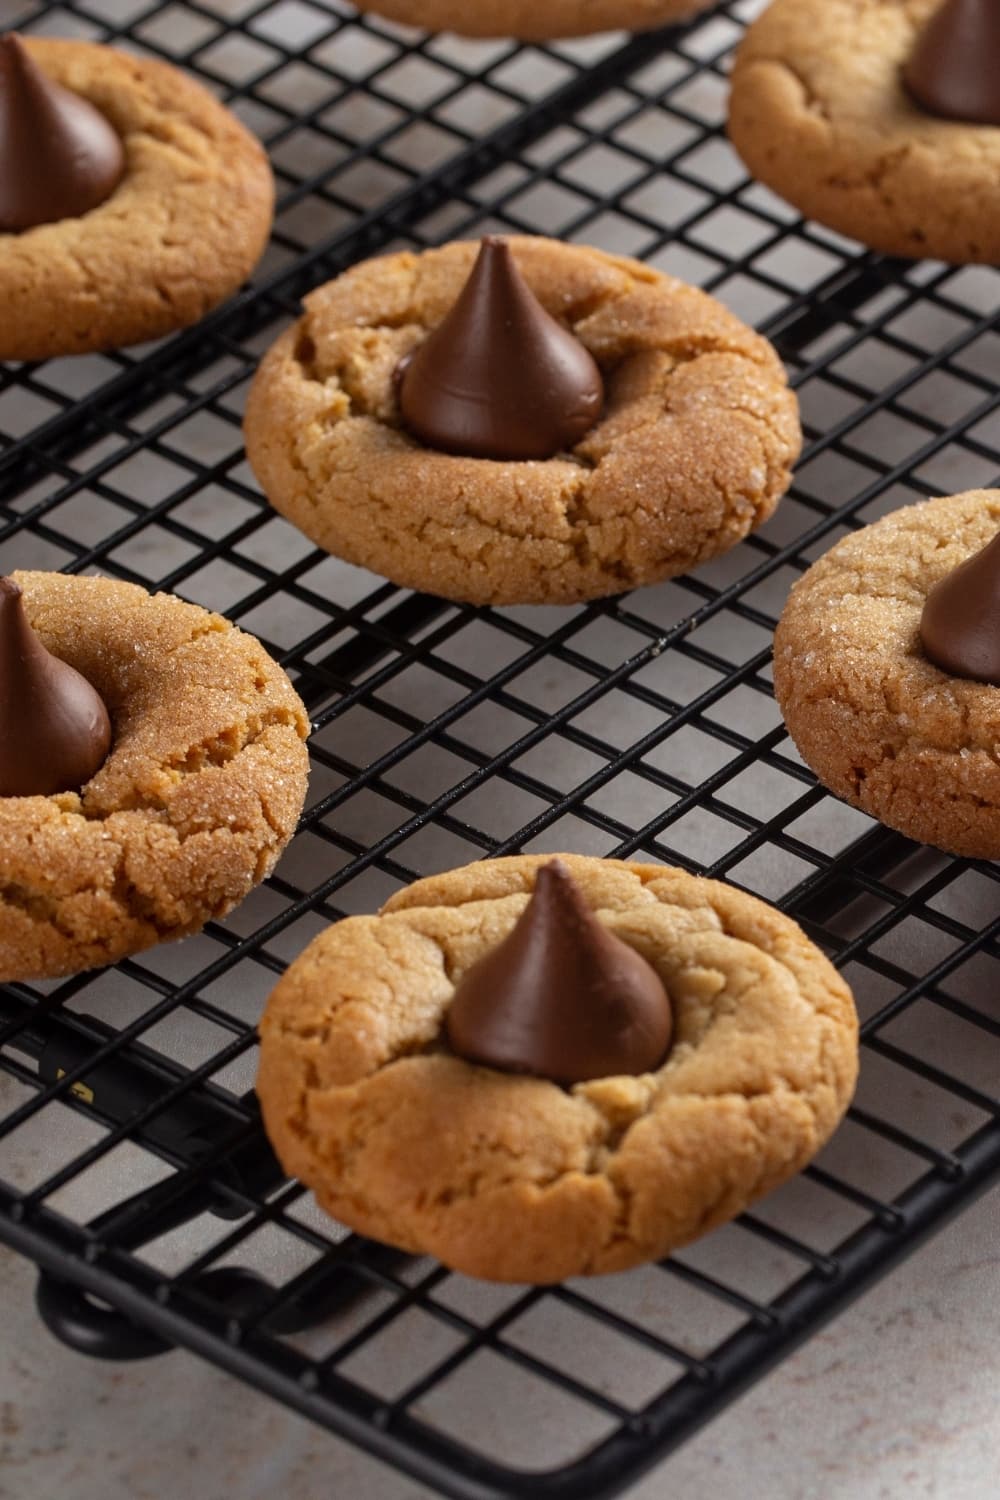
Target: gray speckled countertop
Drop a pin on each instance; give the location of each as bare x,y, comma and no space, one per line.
896,1398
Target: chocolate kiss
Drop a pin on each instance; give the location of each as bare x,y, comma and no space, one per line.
561,997
954,68
54,728
500,378
960,624
59,156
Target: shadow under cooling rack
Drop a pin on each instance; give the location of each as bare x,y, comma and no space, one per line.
134,1168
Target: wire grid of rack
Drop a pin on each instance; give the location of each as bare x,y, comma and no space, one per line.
133,1167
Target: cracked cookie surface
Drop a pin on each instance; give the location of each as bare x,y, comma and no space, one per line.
819,113
879,723
200,793
534,20
401,1140
185,226
692,452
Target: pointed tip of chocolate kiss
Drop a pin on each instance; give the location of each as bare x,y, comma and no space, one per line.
59,156
55,731
500,378
554,881
960,622
561,997
952,70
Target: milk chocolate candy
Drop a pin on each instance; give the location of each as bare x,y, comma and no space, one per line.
561,997
954,68
54,728
59,156
500,378
960,624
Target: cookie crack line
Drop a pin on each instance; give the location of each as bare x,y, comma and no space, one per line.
620,1233
48,909
217,753
814,102
37,907
479,1186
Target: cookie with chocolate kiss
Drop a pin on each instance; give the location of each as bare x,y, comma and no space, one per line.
878,119
106,849
887,671
519,1174
690,449
131,201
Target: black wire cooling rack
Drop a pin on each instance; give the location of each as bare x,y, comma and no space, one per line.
134,1169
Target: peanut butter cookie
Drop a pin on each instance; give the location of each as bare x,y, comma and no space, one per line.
819,112
534,20
199,795
182,229
692,451
883,727
403,1140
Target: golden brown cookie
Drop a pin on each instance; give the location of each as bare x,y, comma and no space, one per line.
693,451
879,724
534,20
402,1140
182,230
198,797
818,112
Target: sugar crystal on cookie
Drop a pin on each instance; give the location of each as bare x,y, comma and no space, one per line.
59,156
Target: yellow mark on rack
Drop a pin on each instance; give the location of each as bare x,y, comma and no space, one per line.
79,1089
